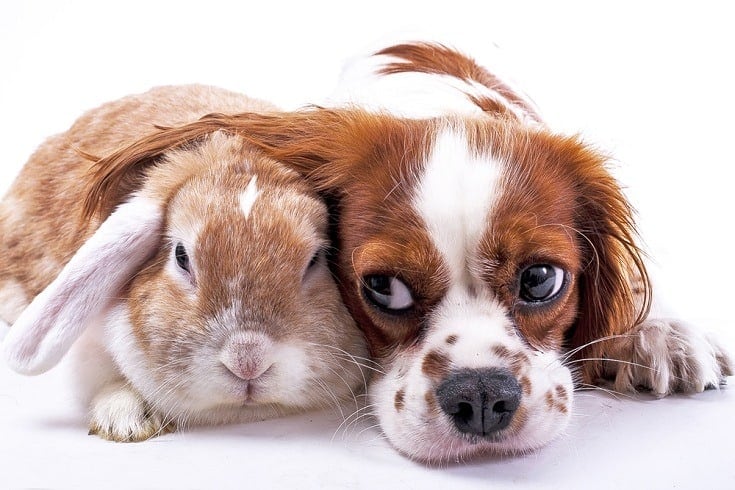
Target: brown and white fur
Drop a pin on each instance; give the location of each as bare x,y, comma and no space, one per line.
490,261
195,291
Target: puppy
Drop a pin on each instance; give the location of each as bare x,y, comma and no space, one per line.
490,261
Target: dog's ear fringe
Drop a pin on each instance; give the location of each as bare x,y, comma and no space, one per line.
301,139
115,176
616,292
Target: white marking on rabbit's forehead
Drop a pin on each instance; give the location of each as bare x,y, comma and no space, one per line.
454,197
248,197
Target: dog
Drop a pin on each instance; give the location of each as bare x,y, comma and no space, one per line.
490,261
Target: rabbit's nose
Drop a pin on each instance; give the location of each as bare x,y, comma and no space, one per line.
247,356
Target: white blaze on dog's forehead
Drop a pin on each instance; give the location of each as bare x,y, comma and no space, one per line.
248,197
454,197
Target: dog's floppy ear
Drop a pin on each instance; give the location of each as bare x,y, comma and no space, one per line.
324,145
118,175
321,144
615,291
87,284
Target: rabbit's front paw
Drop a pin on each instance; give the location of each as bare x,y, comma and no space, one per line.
118,413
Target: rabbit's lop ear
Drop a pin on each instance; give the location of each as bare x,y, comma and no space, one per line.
89,282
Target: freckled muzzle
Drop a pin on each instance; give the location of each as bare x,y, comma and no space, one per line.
480,402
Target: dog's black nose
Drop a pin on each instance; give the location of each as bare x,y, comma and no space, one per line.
480,401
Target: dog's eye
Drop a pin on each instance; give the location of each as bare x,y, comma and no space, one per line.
182,258
387,293
541,282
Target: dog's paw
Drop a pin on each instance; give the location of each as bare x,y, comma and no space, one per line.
119,414
667,356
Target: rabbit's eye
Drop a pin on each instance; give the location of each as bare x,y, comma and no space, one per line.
182,258
314,259
312,265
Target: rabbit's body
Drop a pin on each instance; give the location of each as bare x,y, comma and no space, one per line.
38,215
203,298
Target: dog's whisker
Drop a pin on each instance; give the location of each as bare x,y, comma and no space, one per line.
584,387
572,352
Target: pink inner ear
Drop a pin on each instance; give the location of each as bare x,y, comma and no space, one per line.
84,288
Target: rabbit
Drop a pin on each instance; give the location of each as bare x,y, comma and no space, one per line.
192,288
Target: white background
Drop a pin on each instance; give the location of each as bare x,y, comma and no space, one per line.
651,83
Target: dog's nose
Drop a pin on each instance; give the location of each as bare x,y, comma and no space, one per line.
480,401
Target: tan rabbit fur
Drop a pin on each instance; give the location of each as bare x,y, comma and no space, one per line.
50,188
205,297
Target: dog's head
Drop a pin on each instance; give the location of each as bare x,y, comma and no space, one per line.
474,253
